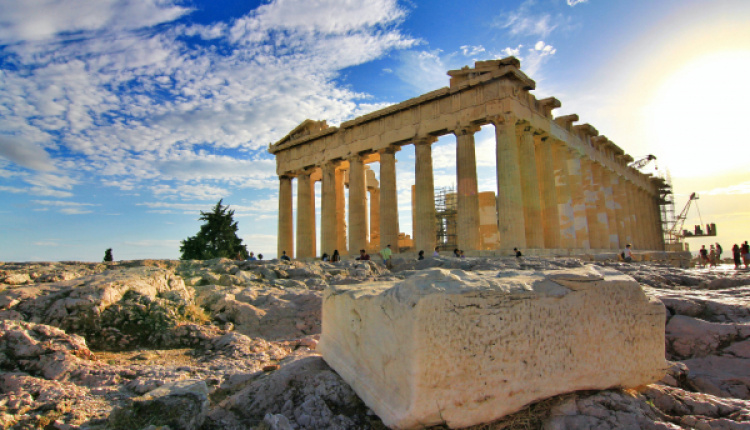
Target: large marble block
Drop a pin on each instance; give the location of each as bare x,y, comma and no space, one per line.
462,348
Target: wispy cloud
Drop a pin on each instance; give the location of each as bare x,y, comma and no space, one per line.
65,207
741,188
119,92
575,2
525,22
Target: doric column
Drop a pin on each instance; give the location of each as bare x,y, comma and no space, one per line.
609,180
357,205
589,198
374,217
328,205
511,223
546,176
564,199
580,221
600,205
286,218
468,193
650,228
631,216
659,225
389,227
532,205
424,199
305,216
341,226
623,214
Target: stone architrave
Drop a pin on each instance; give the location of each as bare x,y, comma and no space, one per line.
357,205
532,204
424,199
462,349
547,189
286,217
389,226
467,192
511,222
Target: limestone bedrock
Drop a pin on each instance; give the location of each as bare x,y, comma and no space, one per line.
448,346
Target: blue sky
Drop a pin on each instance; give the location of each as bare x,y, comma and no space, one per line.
121,120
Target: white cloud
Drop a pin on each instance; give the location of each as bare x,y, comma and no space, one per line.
575,2
470,51
524,22
25,153
64,207
43,19
741,188
136,109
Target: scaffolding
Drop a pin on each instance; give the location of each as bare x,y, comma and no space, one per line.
446,218
666,204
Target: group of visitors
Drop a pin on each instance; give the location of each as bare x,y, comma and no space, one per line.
741,255
252,257
710,257
385,254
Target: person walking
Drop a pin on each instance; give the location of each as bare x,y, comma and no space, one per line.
703,256
712,257
719,250
386,254
745,254
737,256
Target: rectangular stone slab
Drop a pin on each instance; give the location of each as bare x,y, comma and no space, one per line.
463,348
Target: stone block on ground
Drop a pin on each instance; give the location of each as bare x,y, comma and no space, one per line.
447,346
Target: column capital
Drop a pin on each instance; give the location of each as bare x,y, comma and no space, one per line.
524,127
287,175
502,119
424,140
390,149
464,129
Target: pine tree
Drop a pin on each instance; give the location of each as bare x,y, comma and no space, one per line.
108,255
216,238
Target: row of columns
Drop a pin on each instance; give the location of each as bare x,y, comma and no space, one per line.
548,196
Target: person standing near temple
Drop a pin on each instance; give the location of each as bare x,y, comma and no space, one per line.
745,253
386,254
703,255
719,250
737,256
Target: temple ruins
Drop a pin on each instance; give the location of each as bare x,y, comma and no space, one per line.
561,187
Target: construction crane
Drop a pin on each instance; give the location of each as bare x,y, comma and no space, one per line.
642,162
677,233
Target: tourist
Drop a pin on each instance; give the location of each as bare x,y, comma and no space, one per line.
386,254
252,257
420,255
712,257
745,254
456,254
325,257
363,255
737,255
461,254
627,254
703,256
285,257
239,256
436,253
719,250
335,257
260,257
518,253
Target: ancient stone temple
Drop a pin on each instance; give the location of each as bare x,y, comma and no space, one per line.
560,186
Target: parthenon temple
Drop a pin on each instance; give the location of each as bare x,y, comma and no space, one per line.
561,187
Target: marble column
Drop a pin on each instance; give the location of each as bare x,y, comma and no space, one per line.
600,205
357,205
609,180
633,237
659,225
389,227
341,226
286,218
532,204
511,222
580,221
305,216
468,193
590,196
564,199
424,200
328,205
546,177
623,214
374,217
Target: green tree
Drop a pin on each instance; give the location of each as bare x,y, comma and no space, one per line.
108,255
216,238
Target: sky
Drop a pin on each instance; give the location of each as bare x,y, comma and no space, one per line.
120,120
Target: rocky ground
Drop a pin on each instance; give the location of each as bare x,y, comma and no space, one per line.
225,344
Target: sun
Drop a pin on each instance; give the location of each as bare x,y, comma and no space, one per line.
698,114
